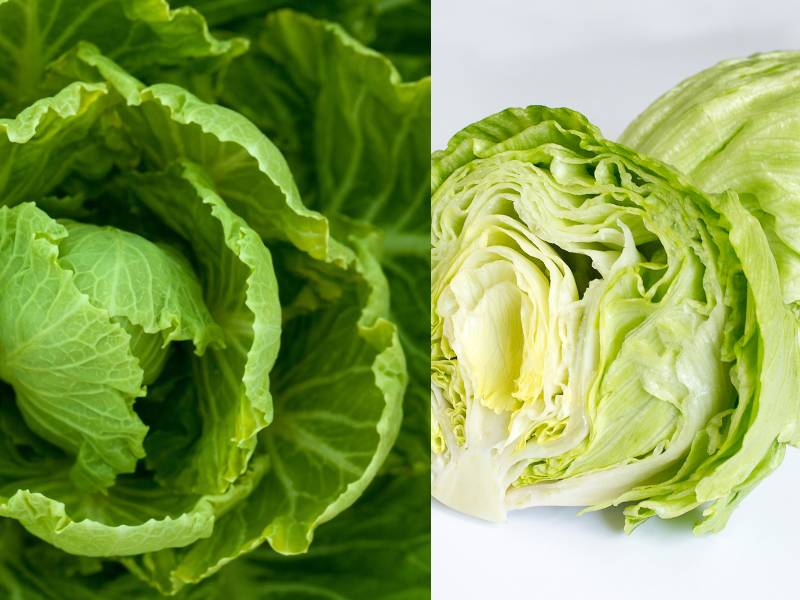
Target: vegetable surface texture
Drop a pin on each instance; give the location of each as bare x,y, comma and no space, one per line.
210,248
601,331
735,126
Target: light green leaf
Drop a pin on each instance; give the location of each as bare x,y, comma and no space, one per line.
71,368
732,127
151,291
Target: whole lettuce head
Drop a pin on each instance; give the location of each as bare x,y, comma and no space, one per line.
194,362
601,331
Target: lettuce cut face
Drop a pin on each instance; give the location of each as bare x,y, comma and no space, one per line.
601,331
199,341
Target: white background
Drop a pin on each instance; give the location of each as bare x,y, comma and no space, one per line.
608,59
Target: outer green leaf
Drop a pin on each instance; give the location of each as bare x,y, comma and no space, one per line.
734,126
355,137
357,16
138,33
404,35
367,553
394,544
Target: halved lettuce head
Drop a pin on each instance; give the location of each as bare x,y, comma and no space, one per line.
191,361
735,126
601,331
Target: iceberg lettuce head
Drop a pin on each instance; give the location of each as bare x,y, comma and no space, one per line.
601,331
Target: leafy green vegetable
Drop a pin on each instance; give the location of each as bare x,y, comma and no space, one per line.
400,29
366,553
602,331
733,127
320,94
203,331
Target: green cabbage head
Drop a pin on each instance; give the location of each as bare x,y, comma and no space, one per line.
601,331
192,362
